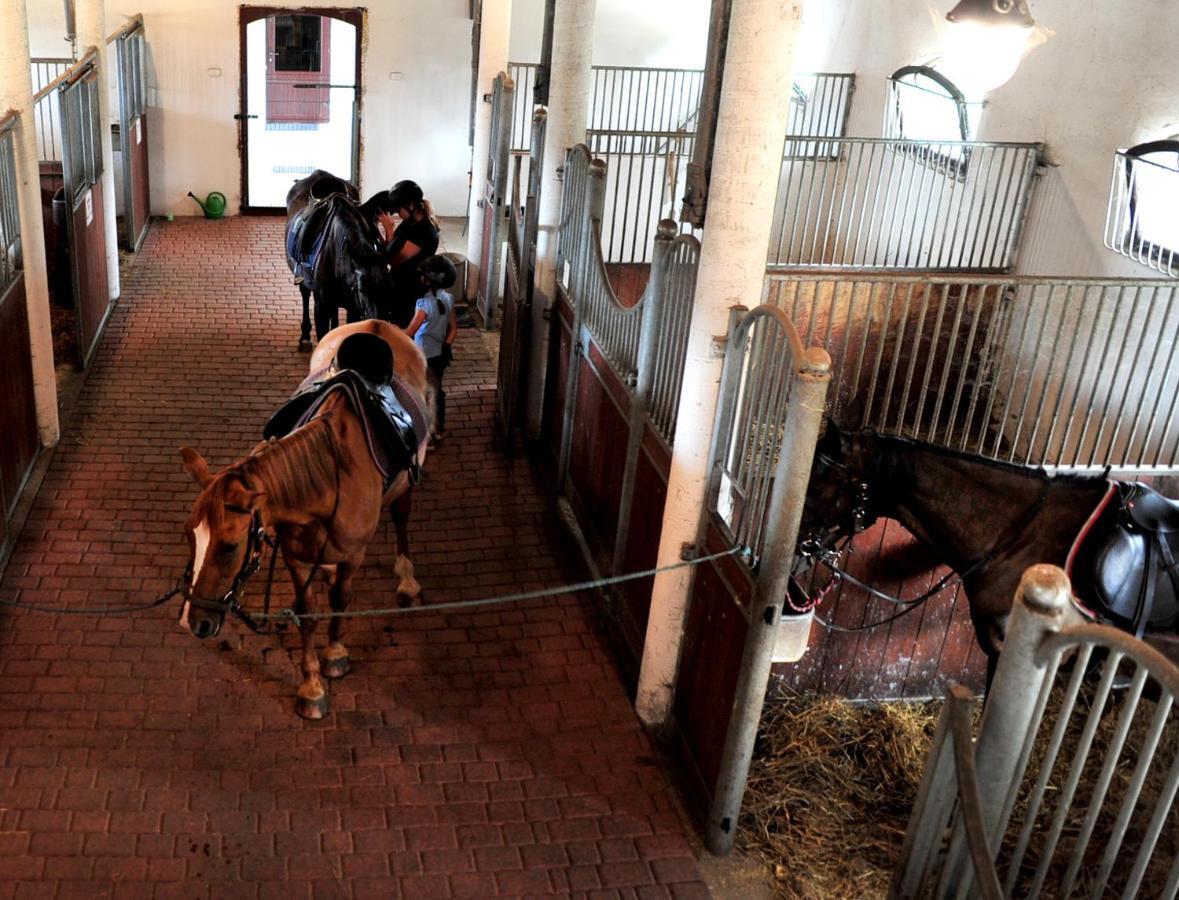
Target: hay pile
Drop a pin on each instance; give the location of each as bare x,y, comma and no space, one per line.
830,791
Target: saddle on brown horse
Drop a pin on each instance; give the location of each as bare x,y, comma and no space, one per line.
1123,563
395,425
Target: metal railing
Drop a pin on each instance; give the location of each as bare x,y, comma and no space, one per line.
1141,221
1073,374
1067,787
671,324
819,107
890,203
10,262
46,115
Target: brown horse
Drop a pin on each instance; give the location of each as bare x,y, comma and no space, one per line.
987,521
320,492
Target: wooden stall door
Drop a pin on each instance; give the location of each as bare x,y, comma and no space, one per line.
88,259
18,414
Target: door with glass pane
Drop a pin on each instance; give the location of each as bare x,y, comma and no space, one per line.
300,98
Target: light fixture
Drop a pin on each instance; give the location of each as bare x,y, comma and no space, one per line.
984,42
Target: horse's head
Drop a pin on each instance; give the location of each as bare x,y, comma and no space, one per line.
226,536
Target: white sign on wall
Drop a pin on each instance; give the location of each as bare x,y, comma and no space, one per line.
89,207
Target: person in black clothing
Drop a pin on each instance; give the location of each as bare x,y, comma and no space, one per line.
414,239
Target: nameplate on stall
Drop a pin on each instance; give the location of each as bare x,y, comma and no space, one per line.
138,131
89,207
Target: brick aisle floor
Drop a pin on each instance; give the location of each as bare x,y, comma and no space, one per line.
489,754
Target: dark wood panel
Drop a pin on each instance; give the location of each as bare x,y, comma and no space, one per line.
18,412
642,552
135,145
598,451
714,642
629,280
88,254
556,375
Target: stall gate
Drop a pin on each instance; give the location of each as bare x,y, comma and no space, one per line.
495,203
519,282
67,121
131,145
1074,375
1068,790
18,414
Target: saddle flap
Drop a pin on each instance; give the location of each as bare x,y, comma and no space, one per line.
1150,510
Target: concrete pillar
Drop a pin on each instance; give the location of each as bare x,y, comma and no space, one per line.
494,30
16,93
570,81
91,20
747,160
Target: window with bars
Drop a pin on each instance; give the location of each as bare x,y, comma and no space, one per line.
1142,222
932,115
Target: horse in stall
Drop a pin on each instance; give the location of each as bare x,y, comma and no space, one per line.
989,521
333,249
320,490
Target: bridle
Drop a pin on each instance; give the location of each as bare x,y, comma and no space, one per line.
257,540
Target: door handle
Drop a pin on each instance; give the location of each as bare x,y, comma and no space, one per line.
240,116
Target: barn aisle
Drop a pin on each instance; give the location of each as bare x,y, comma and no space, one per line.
487,754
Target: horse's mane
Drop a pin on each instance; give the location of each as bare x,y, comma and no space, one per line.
296,470
1037,472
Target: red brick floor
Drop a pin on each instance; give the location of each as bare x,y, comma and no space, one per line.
488,754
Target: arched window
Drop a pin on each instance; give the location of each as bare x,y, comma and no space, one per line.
1142,221
925,106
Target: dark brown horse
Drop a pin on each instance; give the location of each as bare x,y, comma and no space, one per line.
335,249
321,494
988,521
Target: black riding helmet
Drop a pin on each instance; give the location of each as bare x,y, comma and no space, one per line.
405,194
438,272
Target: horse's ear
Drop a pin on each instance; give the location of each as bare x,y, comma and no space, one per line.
195,465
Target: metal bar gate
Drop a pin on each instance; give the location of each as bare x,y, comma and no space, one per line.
130,47
495,202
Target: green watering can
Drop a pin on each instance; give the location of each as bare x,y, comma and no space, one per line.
213,205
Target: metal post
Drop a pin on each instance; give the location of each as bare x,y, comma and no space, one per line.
494,25
500,154
16,92
92,33
649,339
791,476
587,246
1041,600
747,163
569,96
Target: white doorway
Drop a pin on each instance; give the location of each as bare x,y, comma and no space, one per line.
300,97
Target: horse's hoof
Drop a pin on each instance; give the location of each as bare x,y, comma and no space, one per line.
304,345
336,668
405,600
312,709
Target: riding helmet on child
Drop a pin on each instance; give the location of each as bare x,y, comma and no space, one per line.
438,272
405,195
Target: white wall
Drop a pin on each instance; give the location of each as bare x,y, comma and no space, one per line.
414,127
660,33
1103,79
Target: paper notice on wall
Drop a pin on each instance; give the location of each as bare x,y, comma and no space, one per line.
89,207
138,131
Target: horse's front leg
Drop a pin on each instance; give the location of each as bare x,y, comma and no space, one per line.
305,326
409,592
325,316
311,701
336,663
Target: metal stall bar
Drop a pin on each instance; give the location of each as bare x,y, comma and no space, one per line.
130,47
46,117
495,199
1027,370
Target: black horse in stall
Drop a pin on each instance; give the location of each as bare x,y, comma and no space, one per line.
333,249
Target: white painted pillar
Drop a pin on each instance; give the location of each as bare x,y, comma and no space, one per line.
747,160
91,22
569,98
570,81
16,92
494,30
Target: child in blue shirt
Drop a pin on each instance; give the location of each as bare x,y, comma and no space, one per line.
433,328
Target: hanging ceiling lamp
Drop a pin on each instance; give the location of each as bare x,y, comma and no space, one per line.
984,42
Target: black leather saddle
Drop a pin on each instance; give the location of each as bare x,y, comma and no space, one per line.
1132,579
393,426
306,228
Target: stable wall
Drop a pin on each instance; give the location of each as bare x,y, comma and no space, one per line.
1104,79
415,125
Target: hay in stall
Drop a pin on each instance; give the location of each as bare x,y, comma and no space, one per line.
832,786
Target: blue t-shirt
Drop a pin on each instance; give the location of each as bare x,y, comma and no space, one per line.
431,335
